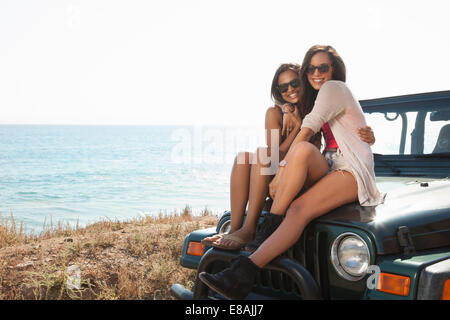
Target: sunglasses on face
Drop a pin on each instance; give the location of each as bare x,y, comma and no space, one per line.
294,83
323,68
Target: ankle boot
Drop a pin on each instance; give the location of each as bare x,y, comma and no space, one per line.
235,282
270,223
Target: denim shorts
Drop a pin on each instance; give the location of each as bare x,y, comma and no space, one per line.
336,161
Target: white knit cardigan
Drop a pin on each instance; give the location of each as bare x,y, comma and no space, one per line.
336,105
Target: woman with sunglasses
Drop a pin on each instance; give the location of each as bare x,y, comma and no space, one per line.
248,185
341,176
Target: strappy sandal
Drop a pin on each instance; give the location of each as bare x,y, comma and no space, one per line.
241,243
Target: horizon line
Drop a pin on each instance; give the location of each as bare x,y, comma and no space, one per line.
129,125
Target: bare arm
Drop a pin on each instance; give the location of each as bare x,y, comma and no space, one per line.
304,135
273,122
291,125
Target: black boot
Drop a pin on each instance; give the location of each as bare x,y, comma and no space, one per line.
270,223
235,282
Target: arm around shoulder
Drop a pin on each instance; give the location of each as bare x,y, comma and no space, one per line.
331,100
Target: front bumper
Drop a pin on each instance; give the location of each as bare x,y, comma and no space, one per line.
301,278
432,279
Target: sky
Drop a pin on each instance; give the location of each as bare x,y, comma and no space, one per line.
203,62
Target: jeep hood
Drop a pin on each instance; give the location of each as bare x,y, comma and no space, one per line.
421,205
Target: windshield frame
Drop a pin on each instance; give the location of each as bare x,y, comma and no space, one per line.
416,164
422,103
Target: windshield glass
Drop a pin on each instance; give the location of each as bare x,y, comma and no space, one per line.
411,132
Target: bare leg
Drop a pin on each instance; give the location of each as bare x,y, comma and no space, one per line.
330,192
258,191
305,165
239,190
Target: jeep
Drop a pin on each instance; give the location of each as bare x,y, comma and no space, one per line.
397,250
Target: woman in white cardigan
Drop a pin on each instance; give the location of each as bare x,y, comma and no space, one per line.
341,175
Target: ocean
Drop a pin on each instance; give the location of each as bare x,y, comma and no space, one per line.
82,174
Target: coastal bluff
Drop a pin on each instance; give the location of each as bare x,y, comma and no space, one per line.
106,260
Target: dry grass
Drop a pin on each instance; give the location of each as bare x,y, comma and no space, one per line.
136,259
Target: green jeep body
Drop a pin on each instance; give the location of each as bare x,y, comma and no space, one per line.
408,235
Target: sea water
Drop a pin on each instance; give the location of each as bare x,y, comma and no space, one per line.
83,174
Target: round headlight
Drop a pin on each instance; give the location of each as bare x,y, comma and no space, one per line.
350,256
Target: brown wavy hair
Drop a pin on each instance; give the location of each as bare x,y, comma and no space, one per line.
308,94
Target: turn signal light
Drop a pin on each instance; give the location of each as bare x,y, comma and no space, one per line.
395,284
195,248
446,291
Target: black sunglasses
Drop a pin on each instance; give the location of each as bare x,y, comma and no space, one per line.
294,83
323,68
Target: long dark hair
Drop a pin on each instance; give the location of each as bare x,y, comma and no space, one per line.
275,91
307,93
